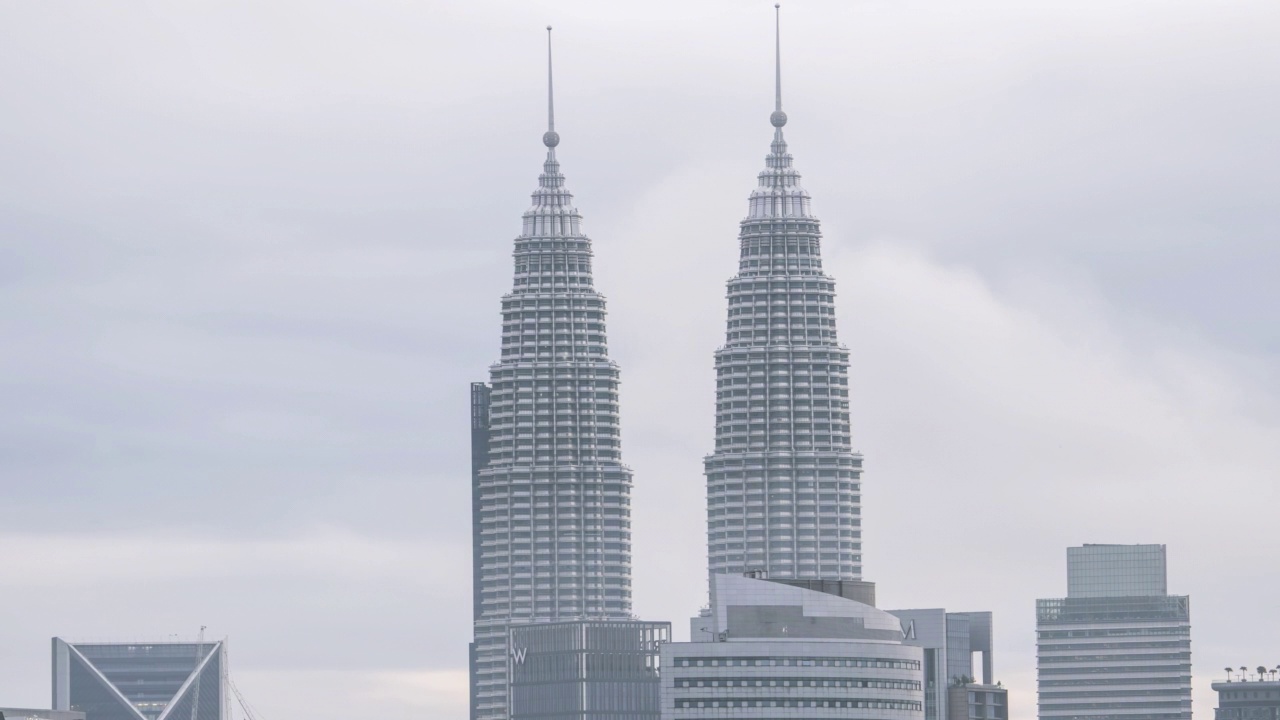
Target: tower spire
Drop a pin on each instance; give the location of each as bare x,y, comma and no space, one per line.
778,118
550,138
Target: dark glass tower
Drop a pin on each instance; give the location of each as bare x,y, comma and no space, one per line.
552,530
783,485
140,680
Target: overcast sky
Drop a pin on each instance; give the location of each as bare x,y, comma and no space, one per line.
251,255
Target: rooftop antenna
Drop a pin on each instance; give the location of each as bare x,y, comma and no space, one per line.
550,138
778,118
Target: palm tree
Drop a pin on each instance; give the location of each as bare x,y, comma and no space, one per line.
1229,674
1244,673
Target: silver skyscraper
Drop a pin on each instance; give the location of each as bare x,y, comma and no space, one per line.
783,491
551,530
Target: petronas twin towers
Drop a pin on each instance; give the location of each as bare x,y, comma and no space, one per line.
551,496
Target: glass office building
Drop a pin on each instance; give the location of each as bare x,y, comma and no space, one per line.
1116,571
1118,647
586,670
140,680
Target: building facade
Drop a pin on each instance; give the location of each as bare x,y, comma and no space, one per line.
30,714
1245,699
586,670
141,680
949,642
1119,648
552,527
783,485
977,701
766,650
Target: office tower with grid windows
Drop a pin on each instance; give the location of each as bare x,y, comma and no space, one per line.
783,485
551,515
1118,647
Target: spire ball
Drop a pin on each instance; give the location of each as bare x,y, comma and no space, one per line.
777,118
551,138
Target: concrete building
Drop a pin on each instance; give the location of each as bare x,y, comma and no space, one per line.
771,650
784,484
1245,698
977,701
585,670
551,496
29,714
949,641
140,680
1118,647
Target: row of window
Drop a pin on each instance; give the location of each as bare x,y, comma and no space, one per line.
1049,659
797,662
798,682
797,703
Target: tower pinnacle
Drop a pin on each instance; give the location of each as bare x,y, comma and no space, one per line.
778,118
550,138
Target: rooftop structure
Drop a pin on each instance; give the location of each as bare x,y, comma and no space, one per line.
1248,696
1116,571
551,515
783,485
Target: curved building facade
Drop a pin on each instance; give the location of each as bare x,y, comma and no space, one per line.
769,651
783,485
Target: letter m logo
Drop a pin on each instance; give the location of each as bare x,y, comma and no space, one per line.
908,629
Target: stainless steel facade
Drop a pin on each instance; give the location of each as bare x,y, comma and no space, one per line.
140,680
1118,656
783,485
552,527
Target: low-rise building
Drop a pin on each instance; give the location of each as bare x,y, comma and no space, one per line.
773,650
1244,699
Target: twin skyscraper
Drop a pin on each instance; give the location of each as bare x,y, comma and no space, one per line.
554,630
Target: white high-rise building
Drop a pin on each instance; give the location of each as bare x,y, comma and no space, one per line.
551,497
783,485
1118,647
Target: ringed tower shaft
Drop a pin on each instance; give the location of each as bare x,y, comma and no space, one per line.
784,484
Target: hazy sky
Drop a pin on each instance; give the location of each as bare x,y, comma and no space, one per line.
251,255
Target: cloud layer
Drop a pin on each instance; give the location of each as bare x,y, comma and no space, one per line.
251,256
